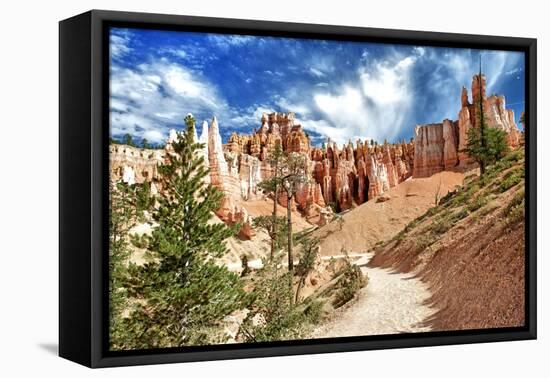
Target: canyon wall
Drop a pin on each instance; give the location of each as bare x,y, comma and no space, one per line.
440,146
341,177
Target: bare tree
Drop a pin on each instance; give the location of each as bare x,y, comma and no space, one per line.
438,192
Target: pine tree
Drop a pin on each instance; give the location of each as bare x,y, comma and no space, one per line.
485,144
310,246
128,140
294,176
121,218
276,230
145,143
183,294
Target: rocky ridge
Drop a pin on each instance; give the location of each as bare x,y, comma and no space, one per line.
439,147
342,177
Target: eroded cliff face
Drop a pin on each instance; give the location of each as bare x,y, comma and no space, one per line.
342,176
134,165
359,172
440,146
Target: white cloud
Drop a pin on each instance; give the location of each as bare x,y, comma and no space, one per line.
316,72
251,116
419,50
456,69
226,41
286,105
176,52
119,44
154,136
373,106
274,73
512,71
147,100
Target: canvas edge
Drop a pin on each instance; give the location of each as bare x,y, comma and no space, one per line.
97,355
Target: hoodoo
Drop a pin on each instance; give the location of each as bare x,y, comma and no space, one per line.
439,147
341,176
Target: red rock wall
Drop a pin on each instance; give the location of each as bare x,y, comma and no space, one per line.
345,177
440,146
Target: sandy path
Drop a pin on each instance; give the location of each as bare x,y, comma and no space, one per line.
391,303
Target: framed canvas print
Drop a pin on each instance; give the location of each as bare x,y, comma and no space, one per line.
234,188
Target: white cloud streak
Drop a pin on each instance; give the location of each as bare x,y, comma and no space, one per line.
146,99
372,106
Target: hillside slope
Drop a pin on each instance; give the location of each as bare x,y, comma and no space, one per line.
380,219
470,250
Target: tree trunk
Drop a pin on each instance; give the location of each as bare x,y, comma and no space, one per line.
289,224
274,221
299,288
481,120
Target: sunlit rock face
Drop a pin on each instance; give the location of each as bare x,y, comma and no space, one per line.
352,175
428,147
340,176
133,164
441,146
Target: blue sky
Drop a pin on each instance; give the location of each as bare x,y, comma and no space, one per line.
341,90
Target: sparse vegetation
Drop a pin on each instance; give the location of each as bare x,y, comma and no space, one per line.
476,198
478,202
351,281
307,262
515,211
424,241
273,316
511,179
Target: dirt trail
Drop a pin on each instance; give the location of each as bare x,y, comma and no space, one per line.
391,303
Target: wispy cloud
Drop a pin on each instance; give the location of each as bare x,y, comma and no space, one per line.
148,100
227,41
513,71
316,72
119,43
339,90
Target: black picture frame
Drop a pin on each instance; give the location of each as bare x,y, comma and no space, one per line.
83,193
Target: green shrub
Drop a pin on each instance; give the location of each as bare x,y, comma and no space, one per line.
441,226
350,283
314,311
425,240
458,215
515,210
514,156
447,220
478,202
139,241
511,179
